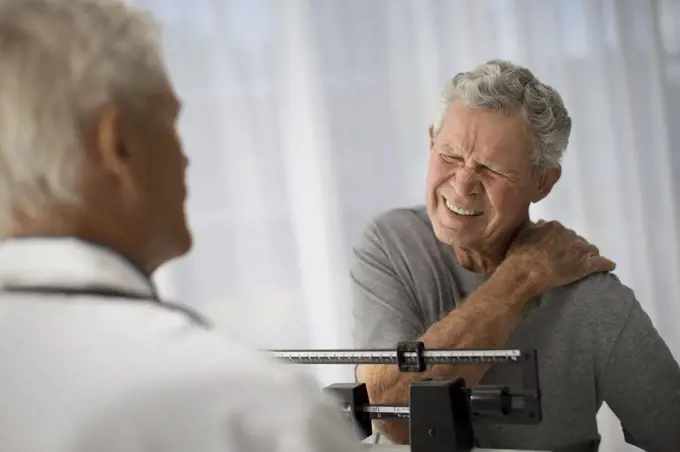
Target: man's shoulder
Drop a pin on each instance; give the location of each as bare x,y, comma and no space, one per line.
600,299
147,341
214,394
195,380
174,335
401,218
400,260
601,285
398,227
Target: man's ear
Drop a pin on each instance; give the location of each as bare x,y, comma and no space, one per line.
547,180
112,151
430,131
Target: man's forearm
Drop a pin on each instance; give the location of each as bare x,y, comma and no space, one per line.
485,320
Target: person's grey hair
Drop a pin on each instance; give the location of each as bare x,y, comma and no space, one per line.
505,87
60,62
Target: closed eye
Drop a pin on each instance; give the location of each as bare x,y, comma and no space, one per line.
486,168
450,158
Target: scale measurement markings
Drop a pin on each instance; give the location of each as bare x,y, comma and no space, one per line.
390,356
380,411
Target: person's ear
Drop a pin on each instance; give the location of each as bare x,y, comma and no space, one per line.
547,179
113,151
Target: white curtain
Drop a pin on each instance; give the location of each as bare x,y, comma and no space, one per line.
303,119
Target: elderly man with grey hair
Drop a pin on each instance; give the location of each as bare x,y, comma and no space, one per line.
470,270
92,198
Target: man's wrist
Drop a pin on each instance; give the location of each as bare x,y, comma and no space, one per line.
521,282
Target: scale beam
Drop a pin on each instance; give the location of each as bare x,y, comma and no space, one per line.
390,356
409,356
490,401
380,411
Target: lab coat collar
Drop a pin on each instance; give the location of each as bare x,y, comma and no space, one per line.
70,263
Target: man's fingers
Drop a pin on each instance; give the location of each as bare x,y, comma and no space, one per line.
582,245
592,249
600,264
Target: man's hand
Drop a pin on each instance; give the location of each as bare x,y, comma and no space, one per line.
554,256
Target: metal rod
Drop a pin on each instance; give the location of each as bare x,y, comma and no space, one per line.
390,356
381,411
478,406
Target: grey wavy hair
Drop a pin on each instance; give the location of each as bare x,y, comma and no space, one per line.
506,87
60,62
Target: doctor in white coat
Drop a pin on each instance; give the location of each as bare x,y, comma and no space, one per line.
92,198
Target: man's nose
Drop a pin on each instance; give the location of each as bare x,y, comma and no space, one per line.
466,182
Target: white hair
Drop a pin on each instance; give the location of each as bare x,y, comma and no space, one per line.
506,87
60,62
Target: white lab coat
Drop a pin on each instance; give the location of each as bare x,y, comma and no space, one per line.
81,373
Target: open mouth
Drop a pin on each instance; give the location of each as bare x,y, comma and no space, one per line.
464,212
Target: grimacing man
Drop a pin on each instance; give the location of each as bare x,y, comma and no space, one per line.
92,198
458,273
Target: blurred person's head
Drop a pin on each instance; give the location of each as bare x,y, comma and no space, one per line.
88,141
494,150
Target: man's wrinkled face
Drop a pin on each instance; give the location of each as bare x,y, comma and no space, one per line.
480,179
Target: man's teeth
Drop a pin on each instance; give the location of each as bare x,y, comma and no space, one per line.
460,211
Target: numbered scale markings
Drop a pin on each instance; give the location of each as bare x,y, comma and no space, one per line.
390,356
380,411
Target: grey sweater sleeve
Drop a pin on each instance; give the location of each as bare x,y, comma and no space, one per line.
641,384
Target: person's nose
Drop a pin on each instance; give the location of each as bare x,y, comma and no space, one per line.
466,182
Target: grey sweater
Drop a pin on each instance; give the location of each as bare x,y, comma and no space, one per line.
595,343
